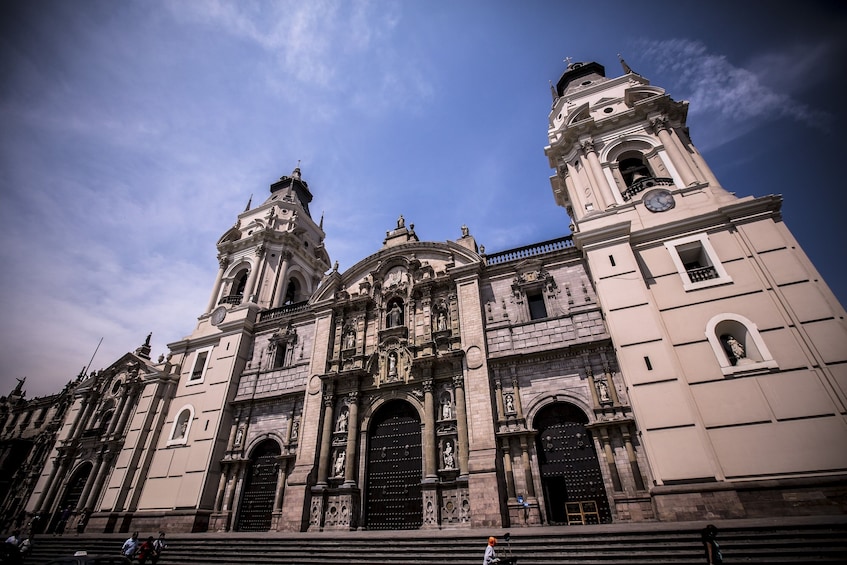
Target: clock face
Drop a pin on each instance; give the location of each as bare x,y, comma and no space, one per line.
218,315
659,200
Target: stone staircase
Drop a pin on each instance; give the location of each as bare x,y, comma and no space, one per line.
795,540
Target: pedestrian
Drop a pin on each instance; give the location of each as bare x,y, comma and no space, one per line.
25,546
710,546
34,524
145,551
63,520
15,538
158,546
490,553
83,520
130,545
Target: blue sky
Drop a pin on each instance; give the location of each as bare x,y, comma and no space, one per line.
132,134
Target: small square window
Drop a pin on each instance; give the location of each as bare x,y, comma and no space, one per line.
201,363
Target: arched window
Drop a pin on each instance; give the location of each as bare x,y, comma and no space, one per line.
181,426
239,283
737,344
292,290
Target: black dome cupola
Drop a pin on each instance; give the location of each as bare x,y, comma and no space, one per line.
298,186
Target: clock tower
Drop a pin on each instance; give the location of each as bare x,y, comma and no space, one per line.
733,349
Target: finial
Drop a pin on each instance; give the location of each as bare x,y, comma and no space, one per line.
568,61
249,203
321,224
626,68
553,92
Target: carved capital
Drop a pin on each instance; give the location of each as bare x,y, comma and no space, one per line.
458,381
659,123
587,145
223,261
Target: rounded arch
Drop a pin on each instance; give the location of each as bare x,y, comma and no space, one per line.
571,477
532,409
298,287
737,344
637,143
257,442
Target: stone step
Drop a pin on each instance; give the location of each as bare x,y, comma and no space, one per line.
742,541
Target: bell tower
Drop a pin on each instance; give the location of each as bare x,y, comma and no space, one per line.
271,261
732,347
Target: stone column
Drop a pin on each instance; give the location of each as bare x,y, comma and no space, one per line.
606,442
250,287
601,186
116,417
461,424
279,293
280,483
128,408
219,498
516,391
46,498
507,468
530,485
93,476
430,457
99,482
661,128
216,288
498,394
633,460
352,439
326,437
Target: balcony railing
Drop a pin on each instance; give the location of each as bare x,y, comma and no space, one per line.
643,184
530,250
698,274
283,310
232,299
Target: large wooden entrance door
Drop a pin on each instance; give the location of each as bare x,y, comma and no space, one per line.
574,492
73,492
257,502
394,469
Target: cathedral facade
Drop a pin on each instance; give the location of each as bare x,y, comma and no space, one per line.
675,357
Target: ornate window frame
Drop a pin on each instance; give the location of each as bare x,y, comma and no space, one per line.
697,244
757,356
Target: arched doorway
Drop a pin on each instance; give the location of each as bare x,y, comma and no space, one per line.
571,478
257,502
71,496
393,494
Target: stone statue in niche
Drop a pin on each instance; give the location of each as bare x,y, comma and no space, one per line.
350,339
338,467
446,407
736,347
239,437
603,391
449,458
295,429
510,403
341,423
395,316
392,364
441,321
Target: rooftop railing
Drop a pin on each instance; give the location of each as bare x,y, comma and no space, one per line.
532,250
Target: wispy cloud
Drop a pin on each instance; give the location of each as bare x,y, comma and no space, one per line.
734,98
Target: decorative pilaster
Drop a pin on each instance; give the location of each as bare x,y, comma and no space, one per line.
326,436
461,424
352,439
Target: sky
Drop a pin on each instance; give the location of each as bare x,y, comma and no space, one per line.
132,133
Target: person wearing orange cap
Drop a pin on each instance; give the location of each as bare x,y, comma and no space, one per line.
490,554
